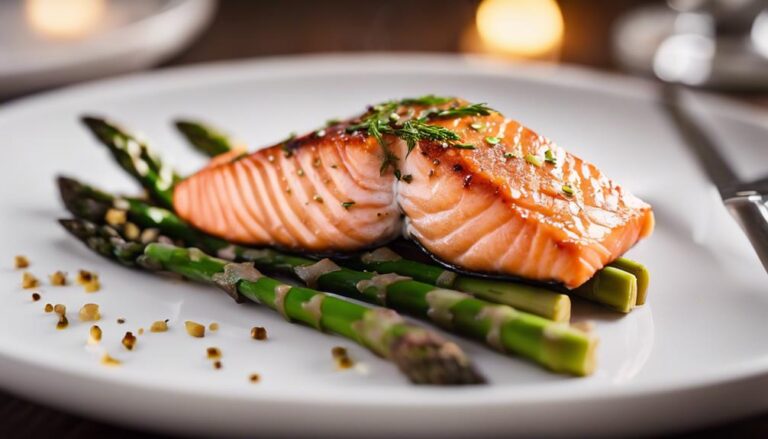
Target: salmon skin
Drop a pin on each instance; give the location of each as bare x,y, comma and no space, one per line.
476,190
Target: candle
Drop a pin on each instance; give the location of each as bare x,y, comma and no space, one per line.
64,19
530,29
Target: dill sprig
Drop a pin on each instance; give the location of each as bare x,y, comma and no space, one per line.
467,110
382,119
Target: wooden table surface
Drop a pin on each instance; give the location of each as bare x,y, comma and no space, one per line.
244,29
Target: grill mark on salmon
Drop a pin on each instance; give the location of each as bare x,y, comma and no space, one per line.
480,209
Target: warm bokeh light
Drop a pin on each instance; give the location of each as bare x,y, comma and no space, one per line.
64,18
524,28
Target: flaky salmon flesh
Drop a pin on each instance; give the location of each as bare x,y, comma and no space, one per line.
477,190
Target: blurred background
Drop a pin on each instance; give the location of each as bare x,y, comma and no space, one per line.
717,45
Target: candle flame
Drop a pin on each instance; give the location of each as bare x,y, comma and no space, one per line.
523,28
64,19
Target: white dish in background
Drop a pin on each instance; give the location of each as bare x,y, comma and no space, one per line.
694,355
124,36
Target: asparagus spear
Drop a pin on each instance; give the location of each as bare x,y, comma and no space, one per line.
610,287
539,301
422,355
136,158
87,202
641,273
557,346
204,138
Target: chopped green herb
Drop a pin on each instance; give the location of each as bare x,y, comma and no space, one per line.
549,157
568,190
463,146
331,122
408,178
492,140
509,155
378,122
468,110
477,126
320,133
397,174
429,99
394,117
532,159
347,204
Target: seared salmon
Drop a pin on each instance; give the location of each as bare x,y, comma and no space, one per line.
477,190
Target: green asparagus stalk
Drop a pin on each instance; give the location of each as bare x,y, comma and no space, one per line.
557,346
612,287
609,287
204,138
136,158
641,273
540,301
422,355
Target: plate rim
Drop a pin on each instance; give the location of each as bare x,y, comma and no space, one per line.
224,71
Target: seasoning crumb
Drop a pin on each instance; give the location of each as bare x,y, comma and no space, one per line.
131,231
59,309
129,340
341,357
35,297
94,335
83,276
195,329
93,285
338,351
254,378
317,198
48,308
259,333
213,327
141,331
120,321
20,261
149,235
213,353
108,360
58,278
344,363
28,280
217,364
62,323
159,326
89,312
115,217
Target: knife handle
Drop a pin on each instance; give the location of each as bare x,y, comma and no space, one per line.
751,211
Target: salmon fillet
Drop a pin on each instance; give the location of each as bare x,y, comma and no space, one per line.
497,198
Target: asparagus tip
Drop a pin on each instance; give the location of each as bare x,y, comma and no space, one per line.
427,359
185,126
93,122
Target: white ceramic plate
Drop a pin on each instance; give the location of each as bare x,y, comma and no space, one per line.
695,354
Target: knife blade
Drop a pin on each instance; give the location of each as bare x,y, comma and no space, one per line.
746,201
